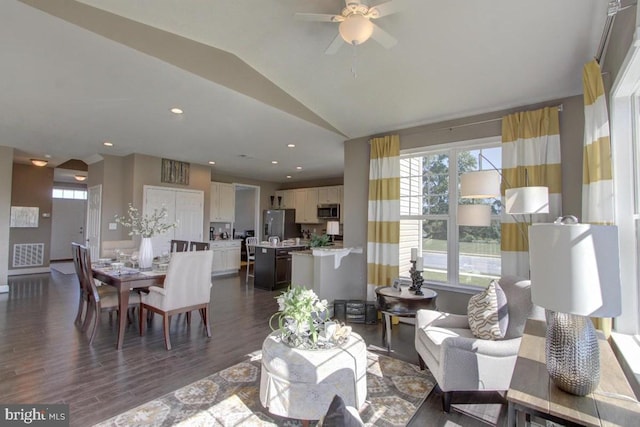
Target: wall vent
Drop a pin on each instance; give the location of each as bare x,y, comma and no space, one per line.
28,254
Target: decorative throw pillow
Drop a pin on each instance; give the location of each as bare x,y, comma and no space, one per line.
488,314
340,415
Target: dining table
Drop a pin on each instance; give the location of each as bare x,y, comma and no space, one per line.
124,281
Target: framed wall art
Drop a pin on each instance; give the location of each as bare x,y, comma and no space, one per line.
24,217
175,172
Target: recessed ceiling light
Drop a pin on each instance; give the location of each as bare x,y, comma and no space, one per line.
275,162
298,167
38,162
212,163
107,144
291,145
176,110
47,156
80,178
288,176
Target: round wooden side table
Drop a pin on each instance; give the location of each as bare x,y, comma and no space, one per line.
401,302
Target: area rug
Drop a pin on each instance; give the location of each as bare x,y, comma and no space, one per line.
63,267
395,390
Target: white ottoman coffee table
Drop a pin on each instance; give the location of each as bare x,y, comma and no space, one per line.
300,384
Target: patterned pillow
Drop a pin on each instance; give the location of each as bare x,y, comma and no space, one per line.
488,314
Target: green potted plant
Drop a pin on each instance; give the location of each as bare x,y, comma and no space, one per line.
319,240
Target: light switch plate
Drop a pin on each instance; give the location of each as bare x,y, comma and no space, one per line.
113,226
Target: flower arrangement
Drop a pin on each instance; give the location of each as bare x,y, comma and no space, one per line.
300,316
147,225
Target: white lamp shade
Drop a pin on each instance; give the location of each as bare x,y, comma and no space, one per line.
527,200
474,215
356,29
575,268
480,184
333,227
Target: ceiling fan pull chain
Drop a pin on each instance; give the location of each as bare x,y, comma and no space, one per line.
354,63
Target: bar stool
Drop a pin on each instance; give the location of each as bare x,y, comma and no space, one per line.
251,243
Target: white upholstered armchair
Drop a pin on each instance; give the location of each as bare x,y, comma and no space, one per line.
461,362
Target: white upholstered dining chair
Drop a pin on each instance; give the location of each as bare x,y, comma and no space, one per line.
187,287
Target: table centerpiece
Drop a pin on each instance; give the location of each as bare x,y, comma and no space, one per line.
145,226
303,320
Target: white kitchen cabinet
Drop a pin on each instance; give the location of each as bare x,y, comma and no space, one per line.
329,195
226,256
222,207
306,205
287,200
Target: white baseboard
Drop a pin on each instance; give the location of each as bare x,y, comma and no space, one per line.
34,270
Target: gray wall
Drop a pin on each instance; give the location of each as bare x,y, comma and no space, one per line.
245,210
6,174
32,186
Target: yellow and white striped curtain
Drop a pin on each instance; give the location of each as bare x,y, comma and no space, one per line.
597,182
597,179
383,234
530,157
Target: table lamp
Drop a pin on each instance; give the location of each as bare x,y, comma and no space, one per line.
333,228
575,273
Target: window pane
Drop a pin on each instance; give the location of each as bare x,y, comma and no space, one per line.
57,193
436,184
479,257
79,194
434,250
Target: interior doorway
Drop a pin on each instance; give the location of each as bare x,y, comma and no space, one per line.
247,214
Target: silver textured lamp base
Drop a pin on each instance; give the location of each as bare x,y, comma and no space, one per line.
573,356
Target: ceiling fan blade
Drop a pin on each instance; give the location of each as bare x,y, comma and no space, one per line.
382,37
318,17
384,9
335,45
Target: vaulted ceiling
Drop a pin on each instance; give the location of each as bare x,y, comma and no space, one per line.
252,79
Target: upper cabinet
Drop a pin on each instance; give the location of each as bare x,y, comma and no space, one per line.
285,199
306,205
327,195
223,202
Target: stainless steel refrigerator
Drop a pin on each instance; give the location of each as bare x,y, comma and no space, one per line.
281,223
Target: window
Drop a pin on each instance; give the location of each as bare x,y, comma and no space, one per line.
69,193
452,254
625,146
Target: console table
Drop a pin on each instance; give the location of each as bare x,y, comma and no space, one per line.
531,390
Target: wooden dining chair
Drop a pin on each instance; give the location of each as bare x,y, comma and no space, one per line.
82,300
100,298
187,287
179,245
198,246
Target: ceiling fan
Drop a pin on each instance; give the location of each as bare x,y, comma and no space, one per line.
355,23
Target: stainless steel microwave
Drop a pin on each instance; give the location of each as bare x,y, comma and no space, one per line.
330,211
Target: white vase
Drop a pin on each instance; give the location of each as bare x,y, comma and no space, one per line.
145,257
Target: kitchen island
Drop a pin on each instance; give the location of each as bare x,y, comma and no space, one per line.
332,273
273,265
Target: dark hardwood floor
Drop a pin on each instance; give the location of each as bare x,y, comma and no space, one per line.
44,358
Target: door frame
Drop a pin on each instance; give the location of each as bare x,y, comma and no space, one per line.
94,247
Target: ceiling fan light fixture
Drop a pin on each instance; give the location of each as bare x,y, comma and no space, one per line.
356,29
39,163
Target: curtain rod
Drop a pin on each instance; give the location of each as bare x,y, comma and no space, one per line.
612,10
461,125
482,122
